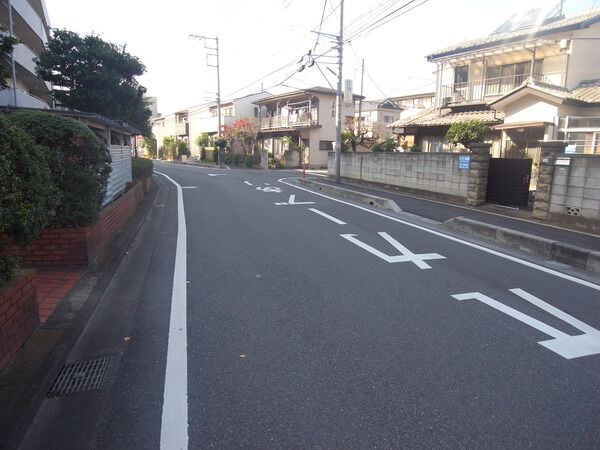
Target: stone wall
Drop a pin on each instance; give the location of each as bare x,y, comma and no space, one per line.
431,173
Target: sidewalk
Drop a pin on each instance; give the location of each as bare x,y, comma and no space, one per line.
505,226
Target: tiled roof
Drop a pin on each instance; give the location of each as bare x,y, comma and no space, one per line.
588,91
446,116
580,19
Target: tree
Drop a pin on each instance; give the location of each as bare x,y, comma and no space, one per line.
182,149
466,133
243,132
150,145
7,44
357,133
169,147
90,74
389,145
202,140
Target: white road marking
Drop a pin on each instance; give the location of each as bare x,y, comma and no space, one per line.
406,255
269,189
565,345
248,183
531,265
216,174
292,201
189,187
174,425
327,216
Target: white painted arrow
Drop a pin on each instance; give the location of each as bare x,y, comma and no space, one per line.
269,189
248,183
292,201
564,344
406,255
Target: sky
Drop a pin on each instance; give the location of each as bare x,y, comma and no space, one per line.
257,37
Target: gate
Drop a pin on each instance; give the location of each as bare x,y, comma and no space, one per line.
508,182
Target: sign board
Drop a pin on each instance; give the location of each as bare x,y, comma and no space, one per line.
464,161
571,148
348,98
562,161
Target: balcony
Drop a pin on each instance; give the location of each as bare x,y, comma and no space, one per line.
491,88
287,121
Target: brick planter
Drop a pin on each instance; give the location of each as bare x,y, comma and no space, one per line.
80,246
18,314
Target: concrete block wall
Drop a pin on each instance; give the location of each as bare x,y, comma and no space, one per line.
576,188
428,172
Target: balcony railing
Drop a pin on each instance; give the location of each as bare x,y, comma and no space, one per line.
490,88
287,121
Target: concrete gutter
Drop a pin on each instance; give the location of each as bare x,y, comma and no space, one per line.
558,251
372,200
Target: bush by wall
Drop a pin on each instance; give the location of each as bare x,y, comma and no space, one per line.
79,164
27,194
141,168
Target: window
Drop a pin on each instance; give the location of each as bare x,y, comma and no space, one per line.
387,119
461,74
501,79
256,111
326,146
333,108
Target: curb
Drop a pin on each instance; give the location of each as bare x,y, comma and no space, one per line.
371,200
558,251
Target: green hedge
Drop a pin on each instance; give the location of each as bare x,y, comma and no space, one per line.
79,164
141,168
27,195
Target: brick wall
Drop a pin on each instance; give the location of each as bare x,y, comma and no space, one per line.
18,315
79,246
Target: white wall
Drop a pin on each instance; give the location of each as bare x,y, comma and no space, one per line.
583,61
530,108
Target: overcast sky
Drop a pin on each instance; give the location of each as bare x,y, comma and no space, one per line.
257,37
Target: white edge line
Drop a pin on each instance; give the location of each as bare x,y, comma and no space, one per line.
460,241
327,216
174,425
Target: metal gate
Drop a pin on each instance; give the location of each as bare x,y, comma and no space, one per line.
508,182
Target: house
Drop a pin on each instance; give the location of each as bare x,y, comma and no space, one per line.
190,123
535,78
376,115
30,27
304,117
414,103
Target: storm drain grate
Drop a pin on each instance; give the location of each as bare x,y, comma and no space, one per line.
79,377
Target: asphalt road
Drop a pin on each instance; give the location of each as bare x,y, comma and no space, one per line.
297,321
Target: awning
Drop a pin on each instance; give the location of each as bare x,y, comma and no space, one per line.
528,124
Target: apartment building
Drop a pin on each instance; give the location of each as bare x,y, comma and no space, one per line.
376,115
30,26
190,123
536,77
305,117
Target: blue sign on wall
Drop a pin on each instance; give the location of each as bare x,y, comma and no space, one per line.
464,161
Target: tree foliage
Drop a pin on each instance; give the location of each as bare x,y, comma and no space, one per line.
79,164
243,132
150,145
202,140
7,44
90,74
27,194
169,147
466,133
389,145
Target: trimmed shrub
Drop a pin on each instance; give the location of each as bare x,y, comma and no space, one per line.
466,133
79,164
27,194
141,168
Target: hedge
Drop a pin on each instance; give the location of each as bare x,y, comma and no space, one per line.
141,168
27,195
79,164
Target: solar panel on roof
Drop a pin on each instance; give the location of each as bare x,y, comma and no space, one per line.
531,18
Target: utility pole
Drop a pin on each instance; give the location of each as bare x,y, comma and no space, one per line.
338,129
362,78
12,54
216,54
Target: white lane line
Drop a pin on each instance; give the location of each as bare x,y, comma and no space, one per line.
248,183
216,174
189,187
327,216
174,426
552,272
